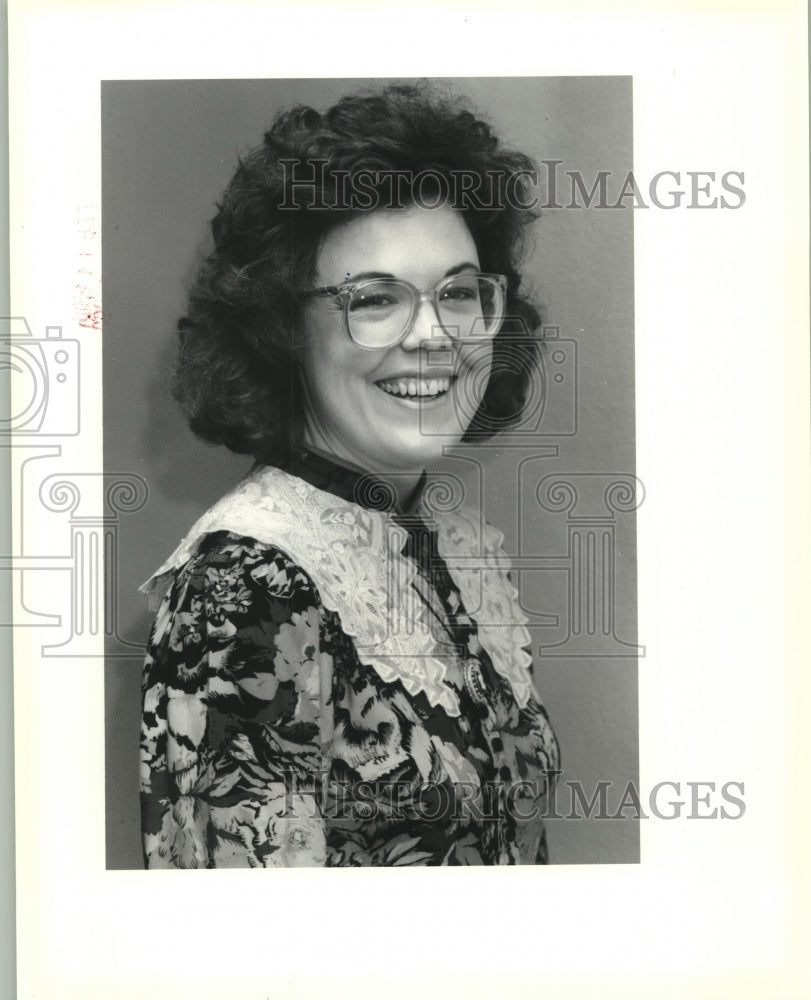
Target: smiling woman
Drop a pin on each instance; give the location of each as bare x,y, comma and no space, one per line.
392,408
338,673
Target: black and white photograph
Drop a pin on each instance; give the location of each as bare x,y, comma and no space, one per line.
407,468
408,353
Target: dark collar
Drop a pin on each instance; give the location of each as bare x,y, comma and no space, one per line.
363,488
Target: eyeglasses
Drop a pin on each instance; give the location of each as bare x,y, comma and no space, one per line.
380,312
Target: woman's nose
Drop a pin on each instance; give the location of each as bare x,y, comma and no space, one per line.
426,331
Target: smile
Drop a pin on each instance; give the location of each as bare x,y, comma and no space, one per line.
415,388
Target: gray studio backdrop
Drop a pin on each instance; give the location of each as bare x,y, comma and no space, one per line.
561,490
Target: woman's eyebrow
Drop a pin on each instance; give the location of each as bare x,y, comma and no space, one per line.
467,266
363,275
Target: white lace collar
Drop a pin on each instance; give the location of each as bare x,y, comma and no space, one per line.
355,558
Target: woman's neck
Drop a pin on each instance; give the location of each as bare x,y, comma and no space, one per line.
405,485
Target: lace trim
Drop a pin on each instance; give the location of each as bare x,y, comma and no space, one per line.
354,557
473,551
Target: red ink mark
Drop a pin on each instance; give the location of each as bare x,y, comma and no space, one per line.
92,320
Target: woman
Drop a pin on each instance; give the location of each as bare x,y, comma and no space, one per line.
337,673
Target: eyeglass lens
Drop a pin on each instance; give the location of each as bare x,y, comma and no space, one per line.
381,309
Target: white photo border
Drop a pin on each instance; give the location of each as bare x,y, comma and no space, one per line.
715,908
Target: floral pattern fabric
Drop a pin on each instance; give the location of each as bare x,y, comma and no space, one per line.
268,742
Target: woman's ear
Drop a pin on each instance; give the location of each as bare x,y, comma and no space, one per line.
298,336
296,352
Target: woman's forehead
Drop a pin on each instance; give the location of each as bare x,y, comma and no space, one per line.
415,243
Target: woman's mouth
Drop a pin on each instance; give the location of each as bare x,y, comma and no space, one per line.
416,388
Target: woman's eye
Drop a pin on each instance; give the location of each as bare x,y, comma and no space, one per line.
459,293
379,301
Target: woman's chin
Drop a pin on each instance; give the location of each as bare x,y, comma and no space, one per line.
419,452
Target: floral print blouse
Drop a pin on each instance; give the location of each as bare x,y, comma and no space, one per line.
270,739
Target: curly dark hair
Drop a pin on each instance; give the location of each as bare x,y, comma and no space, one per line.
236,375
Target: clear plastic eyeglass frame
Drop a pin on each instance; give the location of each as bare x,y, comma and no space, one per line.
344,293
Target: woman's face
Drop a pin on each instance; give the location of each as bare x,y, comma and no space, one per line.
354,402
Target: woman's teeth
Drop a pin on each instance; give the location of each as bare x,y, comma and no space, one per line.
415,386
